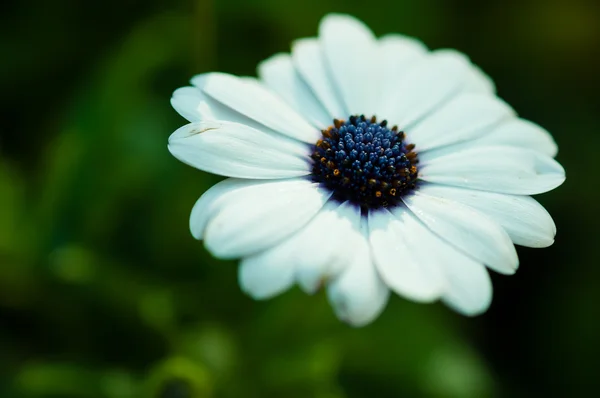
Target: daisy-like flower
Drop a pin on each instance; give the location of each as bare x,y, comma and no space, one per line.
367,165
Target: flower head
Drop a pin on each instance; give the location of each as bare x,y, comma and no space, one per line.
367,165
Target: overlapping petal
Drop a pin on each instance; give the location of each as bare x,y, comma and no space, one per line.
252,99
236,150
467,230
464,118
464,282
503,169
522,217
279,74
396,54
520,133
268,273
256,217
359,294
407,270
309,61
468,284
429,83
350,48
511,132
195,105
326,245
212,200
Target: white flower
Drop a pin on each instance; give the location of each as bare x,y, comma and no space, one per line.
420,209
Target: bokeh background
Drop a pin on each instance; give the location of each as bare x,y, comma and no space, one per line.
104,293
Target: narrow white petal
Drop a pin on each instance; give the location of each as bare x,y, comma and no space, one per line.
396,54
193,104
402,260
467,230
514,132
267,273
522,217
469,288
199,81
506,169
350,51
466,284
429,83
212,200
358,295
237,150
278,74
522,133
186,101
325,246
262,215
310,63
252,99
465,117
480,82
316,253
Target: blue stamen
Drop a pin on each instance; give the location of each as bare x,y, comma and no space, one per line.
365,162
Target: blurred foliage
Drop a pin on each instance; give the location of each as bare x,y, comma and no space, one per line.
103,292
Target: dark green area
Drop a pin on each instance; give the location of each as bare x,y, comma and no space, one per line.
104,293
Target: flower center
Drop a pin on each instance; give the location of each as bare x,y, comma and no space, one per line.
365,162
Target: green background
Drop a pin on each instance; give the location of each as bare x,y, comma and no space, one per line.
103,291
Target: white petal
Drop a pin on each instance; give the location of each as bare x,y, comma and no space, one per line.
193,104
469,288
480,82
310,63
267,273
350,51
358,295
186,101
466,284
522,133
396,55
252,99
513,132
525,220
463,118
317,252
402,260
262,215
237,150
429,83
278,74
497,169
467,230
212,200
325,246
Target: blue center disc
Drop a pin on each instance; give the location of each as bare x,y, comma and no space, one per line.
365,162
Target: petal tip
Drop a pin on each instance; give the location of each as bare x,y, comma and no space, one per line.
196,233
214,246
507,271
339,23
334,17
471,312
